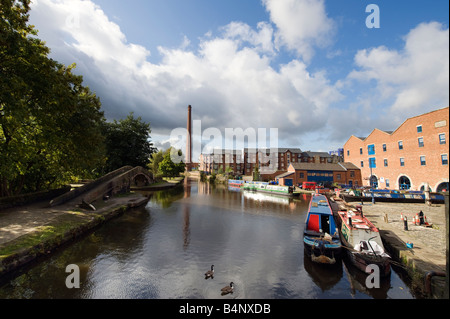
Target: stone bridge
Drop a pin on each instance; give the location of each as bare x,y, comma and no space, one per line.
117,182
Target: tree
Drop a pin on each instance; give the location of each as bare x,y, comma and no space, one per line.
50,124
168,167
153,165
127,143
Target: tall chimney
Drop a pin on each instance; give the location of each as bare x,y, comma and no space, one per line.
189,140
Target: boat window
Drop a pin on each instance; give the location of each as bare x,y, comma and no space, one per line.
325,223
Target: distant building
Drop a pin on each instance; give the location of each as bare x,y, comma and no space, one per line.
270,162
322,173
221,160
411,157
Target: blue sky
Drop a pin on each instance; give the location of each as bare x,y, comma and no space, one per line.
310,68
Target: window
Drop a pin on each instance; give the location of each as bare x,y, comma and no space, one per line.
442,138
387,183
384,148
402,161
302,175
338,177
400,145
348,152
371,149
444,159
385,162
423,162
360,151
372,162
419,129
420,141
352,174
362,163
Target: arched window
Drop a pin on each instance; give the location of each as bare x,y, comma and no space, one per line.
374,181
404,183
443,187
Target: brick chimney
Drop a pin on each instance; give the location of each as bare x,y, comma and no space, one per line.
189,140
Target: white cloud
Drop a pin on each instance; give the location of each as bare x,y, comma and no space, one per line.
302,25
416,78
229,80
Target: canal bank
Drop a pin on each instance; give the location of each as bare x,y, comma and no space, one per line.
427,260
30,232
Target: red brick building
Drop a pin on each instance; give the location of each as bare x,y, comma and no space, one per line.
412,156
321,173
270,162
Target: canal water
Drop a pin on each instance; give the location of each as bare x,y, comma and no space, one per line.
163,250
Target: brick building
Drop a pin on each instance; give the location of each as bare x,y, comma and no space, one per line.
412,156
221,160
324,173
270,162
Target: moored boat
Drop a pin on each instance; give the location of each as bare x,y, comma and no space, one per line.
392,196
362,242
235,183
270,189
321,236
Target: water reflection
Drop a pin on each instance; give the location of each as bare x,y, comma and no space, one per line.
164,250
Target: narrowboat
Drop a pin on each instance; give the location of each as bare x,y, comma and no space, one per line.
362,242
392,196
321,236
235,183
269,189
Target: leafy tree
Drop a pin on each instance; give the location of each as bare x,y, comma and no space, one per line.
50,124
168,167
153,165
127,143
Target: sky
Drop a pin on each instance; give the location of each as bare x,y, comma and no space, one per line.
313,71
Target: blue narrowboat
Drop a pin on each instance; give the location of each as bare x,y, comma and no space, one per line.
321,236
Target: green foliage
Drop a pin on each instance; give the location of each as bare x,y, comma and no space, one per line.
127,143
50,124
153,165
172,165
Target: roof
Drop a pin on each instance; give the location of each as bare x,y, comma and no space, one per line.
319,167
273,150
284,175
348,165
404,122
312,154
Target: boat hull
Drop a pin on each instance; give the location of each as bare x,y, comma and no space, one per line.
363,261
322,251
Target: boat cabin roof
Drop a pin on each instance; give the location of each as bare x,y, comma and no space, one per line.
358,221
319,205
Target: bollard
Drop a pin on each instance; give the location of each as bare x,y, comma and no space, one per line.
405,223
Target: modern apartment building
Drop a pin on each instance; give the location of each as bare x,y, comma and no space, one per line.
411,157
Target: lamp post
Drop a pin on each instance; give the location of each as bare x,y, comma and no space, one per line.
371,183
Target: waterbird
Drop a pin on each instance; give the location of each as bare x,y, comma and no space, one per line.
210,273
228,289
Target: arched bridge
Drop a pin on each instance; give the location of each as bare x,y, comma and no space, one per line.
116,182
